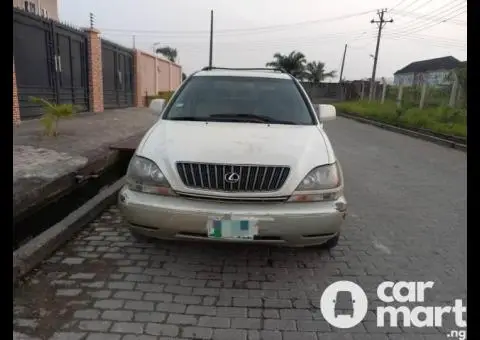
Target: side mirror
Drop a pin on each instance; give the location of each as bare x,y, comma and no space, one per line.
325,112
157,105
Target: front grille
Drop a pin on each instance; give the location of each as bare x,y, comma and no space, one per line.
221,199
248,178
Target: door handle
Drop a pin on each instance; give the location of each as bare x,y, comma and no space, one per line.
59,63
120,80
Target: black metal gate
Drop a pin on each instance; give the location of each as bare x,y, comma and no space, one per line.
50,62
117,67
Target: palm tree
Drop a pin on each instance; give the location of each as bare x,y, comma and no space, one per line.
169,53
315,72
293,63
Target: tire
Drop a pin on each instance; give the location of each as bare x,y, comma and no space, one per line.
332,243
139,237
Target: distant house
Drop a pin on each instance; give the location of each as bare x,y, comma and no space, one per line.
432,72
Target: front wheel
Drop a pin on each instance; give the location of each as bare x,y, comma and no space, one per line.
139,237
332,243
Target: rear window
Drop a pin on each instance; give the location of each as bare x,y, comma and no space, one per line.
207,96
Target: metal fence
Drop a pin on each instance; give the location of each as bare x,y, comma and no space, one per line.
50,62
118,84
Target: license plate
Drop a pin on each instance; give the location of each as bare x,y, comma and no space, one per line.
232,229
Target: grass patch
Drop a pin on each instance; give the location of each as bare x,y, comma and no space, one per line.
440,119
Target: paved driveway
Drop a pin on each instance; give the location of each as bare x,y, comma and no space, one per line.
407,222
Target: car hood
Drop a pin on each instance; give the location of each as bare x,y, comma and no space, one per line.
168,142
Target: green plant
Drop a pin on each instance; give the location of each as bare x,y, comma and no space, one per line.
52,114
440,119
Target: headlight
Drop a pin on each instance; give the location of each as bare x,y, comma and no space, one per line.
323,183
321,178
144,175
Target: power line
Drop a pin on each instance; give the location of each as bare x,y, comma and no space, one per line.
410,4
430,43
398,4
240,30
430,18
421,5
439,11
308,41
351,34
422,27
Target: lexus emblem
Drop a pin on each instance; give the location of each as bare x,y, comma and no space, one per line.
232,177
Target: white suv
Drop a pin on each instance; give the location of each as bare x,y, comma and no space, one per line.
237,155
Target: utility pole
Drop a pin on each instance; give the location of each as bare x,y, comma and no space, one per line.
211,40
343,63
381,24
133,39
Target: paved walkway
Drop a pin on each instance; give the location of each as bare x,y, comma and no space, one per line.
406,223
39,160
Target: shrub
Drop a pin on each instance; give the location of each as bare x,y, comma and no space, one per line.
52,114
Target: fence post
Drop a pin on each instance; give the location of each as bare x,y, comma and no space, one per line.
384,91
399,96
422,95
362,93
453,93
16,106
458,96
95,72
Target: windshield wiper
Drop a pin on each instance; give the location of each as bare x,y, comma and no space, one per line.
251,117
190,118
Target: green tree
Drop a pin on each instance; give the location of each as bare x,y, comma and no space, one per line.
168,52
294,63
315,72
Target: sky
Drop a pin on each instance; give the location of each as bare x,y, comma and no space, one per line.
248,32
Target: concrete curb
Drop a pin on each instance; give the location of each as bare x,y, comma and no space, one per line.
25,203
39,248
404,131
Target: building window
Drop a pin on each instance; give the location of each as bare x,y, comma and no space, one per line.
33,9
27,5
44,13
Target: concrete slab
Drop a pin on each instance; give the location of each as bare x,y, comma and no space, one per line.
44,166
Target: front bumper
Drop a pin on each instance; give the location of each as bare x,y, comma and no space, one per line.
173,217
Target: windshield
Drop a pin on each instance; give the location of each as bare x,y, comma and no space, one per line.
240,99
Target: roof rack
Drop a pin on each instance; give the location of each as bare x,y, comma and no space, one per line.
275,69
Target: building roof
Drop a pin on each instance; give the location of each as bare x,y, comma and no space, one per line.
243,73
444,63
